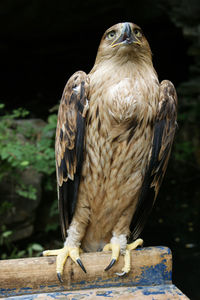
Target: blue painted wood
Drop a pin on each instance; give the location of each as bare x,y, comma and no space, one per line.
151,272
142,292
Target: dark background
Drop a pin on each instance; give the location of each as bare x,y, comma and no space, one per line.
42,43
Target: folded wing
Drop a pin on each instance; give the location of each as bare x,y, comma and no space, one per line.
69,144
163,136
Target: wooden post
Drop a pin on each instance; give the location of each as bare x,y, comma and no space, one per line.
151,268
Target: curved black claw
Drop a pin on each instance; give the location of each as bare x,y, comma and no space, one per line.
110,264
81,265
59,277
121,274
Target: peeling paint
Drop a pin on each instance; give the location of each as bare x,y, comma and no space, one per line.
155,272
148,292
155,275
105,293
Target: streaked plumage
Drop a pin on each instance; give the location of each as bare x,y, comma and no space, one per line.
115,131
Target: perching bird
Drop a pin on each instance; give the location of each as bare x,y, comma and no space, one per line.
114,135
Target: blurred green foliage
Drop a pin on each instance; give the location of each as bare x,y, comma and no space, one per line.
30,250
23,146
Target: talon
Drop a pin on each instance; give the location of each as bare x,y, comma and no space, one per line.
110,264
121,274
59,277
79,262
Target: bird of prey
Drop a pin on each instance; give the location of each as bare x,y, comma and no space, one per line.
114,135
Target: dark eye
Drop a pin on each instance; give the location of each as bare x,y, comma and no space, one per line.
137,32
110,35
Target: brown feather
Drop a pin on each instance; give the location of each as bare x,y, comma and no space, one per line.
164,131
69,144
168,112
66,131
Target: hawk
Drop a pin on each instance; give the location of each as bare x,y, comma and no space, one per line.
114,135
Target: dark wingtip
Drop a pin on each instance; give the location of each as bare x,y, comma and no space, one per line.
81,265
110,264
59,277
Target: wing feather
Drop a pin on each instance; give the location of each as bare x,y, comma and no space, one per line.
69,144
163,136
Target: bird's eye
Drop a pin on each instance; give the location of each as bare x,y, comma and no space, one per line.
110,35
137,33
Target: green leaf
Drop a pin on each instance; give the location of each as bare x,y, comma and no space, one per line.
37,247
24,163
28,191
6,234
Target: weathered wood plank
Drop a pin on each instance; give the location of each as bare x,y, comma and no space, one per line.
149,266
160,292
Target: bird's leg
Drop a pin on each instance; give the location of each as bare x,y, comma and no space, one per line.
119,244
127,256
71,249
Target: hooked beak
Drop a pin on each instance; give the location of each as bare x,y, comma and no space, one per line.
126,36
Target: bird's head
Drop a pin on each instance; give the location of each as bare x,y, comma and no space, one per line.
124,40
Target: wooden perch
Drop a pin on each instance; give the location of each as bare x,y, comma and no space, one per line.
150,266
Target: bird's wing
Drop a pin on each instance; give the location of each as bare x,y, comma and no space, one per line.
163,137
69,144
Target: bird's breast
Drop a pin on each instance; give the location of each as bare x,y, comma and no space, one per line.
126,99
117,144
119,124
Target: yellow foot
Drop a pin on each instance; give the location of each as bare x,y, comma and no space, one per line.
62,255
115,248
